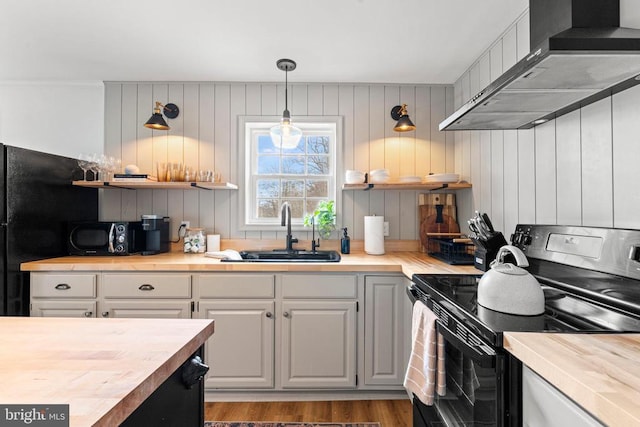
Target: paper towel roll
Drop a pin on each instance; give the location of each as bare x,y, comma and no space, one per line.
374,235
213,242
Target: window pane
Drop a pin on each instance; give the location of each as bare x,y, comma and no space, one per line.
297,207
265,145
268,208
318,165
292,188
293,165
268,188
318,145
317,188
268,164
311,206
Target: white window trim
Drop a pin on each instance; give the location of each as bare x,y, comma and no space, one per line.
242,166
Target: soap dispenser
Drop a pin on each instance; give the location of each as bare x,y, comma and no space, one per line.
345,242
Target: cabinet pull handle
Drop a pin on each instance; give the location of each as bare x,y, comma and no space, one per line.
269,315
146,287
105,314
62,286
285,314
88,314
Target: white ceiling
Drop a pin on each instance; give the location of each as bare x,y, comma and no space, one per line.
366,41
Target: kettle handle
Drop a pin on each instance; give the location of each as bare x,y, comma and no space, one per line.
521,259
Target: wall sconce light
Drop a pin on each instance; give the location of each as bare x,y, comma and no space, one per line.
399,113
157,121
285,135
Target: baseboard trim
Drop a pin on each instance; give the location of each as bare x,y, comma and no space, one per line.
295,395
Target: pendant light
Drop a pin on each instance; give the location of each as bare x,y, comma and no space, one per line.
285,135
399,113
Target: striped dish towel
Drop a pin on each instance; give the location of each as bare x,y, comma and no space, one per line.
426,372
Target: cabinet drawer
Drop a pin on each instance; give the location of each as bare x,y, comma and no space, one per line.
146,286
63,285
236,285
319,286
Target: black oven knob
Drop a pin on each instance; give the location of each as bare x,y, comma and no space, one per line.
120,228
121,238
119,249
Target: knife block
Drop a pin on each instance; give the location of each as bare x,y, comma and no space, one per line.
486,251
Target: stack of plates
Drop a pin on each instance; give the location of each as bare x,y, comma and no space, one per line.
442,177
379,176
353,177
409,179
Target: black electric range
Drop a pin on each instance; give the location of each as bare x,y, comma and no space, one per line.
591,282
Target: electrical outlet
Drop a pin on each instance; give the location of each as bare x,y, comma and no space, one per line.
385,228
185,224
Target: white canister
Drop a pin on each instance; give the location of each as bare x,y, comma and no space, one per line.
374,235
213,242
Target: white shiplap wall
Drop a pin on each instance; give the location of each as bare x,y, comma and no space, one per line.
205,136
579,169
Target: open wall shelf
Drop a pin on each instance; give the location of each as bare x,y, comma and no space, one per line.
431,186
155,185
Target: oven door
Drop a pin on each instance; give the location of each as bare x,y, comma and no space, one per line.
475,380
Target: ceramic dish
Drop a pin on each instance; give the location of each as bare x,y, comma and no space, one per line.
409,179
442,177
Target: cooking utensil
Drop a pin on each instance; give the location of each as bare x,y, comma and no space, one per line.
508,288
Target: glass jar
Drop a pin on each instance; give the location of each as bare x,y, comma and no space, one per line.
195,241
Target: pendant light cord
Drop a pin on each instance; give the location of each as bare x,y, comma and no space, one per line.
286,86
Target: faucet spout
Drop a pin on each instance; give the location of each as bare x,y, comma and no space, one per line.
285,219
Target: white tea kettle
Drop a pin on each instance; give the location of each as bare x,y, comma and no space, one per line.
510,289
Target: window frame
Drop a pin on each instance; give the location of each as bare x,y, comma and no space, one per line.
245,159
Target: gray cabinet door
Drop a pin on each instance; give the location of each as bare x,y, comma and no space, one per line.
318,344
240,354
384,327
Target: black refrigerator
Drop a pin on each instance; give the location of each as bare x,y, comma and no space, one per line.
37,201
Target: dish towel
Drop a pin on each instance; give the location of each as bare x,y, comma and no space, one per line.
426,371
226,254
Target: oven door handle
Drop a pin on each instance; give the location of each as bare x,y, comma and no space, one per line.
484,356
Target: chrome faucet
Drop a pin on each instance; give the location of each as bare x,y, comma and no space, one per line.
285,219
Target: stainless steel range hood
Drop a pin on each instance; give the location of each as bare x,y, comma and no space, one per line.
580,54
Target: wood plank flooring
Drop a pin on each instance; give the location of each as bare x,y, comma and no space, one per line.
389,413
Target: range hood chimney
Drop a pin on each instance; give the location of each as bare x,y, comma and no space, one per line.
579,55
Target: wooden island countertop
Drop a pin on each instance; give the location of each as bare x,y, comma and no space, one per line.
407,263
601,372
103,368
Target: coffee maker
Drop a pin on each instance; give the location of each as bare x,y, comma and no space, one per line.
155,235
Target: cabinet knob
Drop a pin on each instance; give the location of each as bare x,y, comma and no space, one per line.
88,314
62,286
285,314
105,314
146,287
269,314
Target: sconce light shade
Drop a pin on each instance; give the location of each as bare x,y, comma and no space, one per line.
156,121
399,113
285,135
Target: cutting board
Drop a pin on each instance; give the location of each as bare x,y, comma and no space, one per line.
437,216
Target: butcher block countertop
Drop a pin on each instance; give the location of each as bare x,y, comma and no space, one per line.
601,372
392,262
103,368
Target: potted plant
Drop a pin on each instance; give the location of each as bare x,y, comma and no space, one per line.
324,218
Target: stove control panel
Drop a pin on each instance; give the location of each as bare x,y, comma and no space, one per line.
522,237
